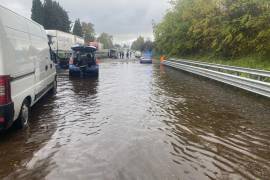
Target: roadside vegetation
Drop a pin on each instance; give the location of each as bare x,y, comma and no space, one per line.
234,32
140,44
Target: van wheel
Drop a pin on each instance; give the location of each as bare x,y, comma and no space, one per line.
23,119
54,88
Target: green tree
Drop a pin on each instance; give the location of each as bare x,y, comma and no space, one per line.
227,28
37,12
77,29
148,45
138,44
55,17
106,40
88,32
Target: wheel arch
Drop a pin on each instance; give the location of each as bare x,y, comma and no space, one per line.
29,100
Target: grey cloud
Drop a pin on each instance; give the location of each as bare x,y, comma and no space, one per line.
124,19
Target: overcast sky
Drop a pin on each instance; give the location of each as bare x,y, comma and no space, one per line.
124,19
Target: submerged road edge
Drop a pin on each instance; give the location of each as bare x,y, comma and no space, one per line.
219,73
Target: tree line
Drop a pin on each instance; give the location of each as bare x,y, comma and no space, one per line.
142,45
225,28
85,30
52,15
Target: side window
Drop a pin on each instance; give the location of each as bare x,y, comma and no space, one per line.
20,44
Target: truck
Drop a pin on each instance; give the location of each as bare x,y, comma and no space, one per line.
138,54
61,45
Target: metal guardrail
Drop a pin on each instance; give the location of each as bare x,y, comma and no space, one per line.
256,72
227,74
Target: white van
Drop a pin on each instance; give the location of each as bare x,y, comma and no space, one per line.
138,54
26,69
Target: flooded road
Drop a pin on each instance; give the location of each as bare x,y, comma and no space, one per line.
141,122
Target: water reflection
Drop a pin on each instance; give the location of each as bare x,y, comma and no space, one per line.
215,130
17,147
141,122
84,86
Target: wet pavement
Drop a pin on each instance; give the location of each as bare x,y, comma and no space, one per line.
141,122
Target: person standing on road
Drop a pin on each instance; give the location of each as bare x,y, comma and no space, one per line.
127,55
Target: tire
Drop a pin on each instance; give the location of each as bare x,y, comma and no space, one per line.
23,120
54,89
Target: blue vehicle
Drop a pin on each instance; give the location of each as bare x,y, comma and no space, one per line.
83,61
146,58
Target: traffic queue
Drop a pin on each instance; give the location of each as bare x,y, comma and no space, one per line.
29,59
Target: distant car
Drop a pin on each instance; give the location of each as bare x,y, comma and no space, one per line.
146,58
83,61
138,54
145,61
113,54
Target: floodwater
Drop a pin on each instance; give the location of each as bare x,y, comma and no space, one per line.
141,122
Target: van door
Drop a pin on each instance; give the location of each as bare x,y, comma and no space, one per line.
40,54
40,67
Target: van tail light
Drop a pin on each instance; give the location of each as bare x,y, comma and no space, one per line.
2,120
5,91
71,61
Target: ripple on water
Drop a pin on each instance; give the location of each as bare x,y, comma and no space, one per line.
141,122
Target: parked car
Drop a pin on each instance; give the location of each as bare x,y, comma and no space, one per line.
26,69
83,61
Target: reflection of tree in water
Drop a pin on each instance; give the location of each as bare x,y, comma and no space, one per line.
214,122
47,117
84,99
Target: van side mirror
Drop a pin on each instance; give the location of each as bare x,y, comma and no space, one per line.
50,42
